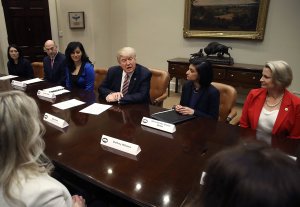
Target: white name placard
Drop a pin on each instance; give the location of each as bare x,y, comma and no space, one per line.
293,157
34,80
46,94
55,120
8,77
159,132
202,178
163,126
57,90
18,84
121,145
118,152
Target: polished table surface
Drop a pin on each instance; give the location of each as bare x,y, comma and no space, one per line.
168,169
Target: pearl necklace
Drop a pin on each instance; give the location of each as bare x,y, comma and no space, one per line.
275,104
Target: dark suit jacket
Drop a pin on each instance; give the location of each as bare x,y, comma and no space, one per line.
22,69
139,86
288,119
207,103
57,74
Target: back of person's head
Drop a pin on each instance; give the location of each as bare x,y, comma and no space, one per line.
70,49
21,143
17,48
204,70
251,175
281,73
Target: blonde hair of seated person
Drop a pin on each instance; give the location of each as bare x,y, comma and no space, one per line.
21,143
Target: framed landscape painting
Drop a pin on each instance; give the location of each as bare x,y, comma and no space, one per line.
239,19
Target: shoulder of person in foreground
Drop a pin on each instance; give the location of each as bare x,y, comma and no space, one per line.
43,190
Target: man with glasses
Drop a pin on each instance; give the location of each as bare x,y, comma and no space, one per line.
54,70
128,82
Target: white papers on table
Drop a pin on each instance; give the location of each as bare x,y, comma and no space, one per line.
95,108
8,77
34,80
68,104
57,90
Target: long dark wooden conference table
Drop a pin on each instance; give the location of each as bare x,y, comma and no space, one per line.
168,169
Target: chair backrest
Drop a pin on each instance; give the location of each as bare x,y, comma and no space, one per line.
38,69
100,74
228,96
158,86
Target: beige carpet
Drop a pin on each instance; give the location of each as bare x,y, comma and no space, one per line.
174,99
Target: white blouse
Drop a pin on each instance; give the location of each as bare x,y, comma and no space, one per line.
267,120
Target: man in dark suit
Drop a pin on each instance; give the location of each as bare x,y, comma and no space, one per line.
128,82
54,71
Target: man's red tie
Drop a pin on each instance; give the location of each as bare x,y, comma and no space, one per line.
125,85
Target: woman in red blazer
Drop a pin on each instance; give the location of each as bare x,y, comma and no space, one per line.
272,109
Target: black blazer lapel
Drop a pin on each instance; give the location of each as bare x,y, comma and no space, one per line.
133,79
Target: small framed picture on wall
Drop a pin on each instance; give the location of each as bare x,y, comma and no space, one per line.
76,20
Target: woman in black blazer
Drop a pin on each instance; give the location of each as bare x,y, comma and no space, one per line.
17,64
199,97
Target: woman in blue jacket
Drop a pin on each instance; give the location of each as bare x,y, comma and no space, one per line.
79,69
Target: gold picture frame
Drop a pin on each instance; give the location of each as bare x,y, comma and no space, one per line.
244,19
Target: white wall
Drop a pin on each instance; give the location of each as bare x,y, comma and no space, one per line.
102,34
54,23
96,35
154,28
3,43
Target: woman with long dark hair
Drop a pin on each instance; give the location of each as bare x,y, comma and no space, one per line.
79,69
